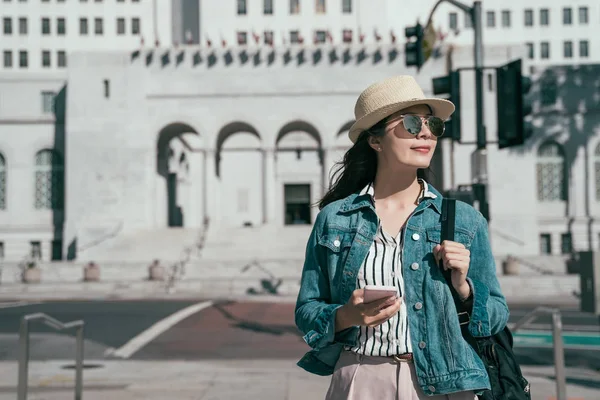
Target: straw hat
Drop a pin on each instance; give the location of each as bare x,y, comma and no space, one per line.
387,97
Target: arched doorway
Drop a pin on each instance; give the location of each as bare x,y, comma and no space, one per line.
239,167
300,171
175,161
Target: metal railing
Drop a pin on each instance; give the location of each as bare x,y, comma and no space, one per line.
558,345
24,350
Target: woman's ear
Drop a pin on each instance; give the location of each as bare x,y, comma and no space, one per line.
375,143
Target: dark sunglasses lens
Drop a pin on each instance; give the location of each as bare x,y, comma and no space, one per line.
436,126
412,124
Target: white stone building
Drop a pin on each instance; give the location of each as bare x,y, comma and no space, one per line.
142,139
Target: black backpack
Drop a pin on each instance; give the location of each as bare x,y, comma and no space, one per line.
496,352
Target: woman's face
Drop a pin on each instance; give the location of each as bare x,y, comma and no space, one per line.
397,145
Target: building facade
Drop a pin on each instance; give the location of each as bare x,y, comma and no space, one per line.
236,113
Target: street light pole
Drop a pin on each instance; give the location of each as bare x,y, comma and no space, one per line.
475,13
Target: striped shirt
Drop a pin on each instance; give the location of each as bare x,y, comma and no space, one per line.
383,266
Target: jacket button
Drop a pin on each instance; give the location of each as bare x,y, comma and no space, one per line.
431,389
416,236
418,306
422,345
414,266
336,243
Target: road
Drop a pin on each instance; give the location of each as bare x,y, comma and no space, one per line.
224,331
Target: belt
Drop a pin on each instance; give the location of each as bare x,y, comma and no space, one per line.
406,357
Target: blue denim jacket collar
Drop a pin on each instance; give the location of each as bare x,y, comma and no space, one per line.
358,201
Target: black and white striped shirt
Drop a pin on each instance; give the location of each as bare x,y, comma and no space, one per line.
383,266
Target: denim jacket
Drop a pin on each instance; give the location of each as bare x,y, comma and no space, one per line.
339,242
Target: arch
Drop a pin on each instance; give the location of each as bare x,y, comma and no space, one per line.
345,128
2,182
165,135
233,128
299,126
551,172
49,180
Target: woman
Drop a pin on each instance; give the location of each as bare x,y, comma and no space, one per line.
379,224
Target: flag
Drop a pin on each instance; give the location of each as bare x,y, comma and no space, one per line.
377,36
256,37
393,36
429,41
329,37
361,36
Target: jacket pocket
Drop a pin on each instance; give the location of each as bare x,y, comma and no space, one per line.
460,236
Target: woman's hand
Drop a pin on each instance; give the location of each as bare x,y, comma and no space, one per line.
358,313
457,258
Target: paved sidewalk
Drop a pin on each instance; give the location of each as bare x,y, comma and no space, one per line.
222,380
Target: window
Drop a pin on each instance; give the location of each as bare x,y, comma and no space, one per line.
528,17
544,17
242,38
347,36
566,243
2,186
597,171
241,7
320,36
23,59
48,180
135,26
83,26
48,102
506,18
23,26
120,26
530,51
347,6
7,23
106,85
2,250
60,26
294,6
584,48
8,63
567,16
545,50
268,7
583,15
297,204
46,58
320,7
551,179
57,250
548,91
568,49
269,37
491,19
295,37
45,26
61,57
98,26
453,21
36,250
546,243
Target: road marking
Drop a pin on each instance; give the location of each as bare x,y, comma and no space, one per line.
139,341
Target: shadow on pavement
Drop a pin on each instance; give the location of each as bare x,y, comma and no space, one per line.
271,329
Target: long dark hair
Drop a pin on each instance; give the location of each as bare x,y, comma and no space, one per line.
358,167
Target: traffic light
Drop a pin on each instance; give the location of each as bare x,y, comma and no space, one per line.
413,49
513,105
450,85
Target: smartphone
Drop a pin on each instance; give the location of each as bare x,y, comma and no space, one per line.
376,292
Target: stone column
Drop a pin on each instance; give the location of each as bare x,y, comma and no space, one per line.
269,182
210,186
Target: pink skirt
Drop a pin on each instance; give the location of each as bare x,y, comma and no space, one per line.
358,377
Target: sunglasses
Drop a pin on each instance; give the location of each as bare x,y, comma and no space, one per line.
414,124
